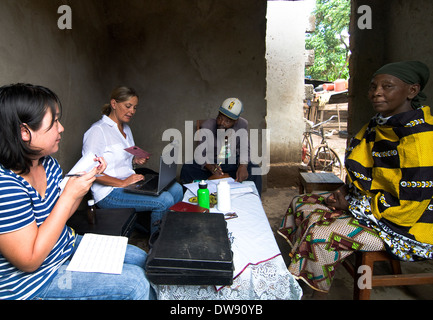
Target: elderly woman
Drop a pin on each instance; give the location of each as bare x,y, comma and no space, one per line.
387,204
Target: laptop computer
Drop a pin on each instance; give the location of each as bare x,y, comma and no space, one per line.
154,184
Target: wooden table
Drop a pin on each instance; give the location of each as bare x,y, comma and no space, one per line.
318,181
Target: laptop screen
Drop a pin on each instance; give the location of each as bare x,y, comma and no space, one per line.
168,165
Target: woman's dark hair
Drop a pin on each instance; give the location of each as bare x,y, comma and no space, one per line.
22,105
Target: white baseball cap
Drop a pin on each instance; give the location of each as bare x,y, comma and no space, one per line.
232,108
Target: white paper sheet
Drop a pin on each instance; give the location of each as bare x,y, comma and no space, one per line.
99,253
85,164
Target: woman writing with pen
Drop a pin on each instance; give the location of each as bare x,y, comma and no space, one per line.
36,245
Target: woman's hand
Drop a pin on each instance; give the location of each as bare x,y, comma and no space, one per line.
139,161
77,187
337,200
119,183
132,179
28,247
102,165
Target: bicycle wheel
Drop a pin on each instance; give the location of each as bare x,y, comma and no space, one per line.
327,160
307,149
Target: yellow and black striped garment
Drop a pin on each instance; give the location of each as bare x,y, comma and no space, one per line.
392,163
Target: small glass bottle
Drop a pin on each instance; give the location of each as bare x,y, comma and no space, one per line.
91,212
203,195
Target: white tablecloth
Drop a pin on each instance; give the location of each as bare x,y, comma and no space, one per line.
259,269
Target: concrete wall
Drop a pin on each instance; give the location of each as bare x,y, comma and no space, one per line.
288,21
287,24
34,50
184,57
400,31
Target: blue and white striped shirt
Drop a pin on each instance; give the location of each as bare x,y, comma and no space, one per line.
21,205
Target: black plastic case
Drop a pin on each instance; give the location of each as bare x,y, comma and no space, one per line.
192,249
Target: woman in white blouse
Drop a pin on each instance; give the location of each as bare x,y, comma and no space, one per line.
108,138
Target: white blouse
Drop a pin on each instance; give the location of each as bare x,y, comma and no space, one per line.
105,139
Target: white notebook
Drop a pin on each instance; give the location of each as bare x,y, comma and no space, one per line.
99,253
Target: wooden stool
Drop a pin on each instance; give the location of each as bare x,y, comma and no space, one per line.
396,279
318,181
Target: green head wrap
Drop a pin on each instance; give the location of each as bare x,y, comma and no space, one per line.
411,72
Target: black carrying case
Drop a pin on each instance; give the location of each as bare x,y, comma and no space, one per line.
115,222
192,249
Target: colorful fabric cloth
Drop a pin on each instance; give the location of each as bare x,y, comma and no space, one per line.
390,163
321,239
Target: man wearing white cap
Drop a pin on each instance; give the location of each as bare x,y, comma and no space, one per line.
227,137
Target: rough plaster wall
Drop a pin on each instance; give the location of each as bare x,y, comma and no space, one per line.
287,23
400,31
184,58
412,39
34,50
368,48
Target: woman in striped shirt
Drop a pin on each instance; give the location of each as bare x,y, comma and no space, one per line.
35,243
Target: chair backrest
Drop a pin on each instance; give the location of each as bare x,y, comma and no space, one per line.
198,124
197,128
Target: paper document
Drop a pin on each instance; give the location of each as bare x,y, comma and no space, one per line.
235,187
85,164
99,253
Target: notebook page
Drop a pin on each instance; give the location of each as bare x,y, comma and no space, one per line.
85,164
99,253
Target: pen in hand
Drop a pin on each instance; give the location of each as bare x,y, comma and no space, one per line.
218,167
81,174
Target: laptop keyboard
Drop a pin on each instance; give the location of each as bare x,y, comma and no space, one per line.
150,182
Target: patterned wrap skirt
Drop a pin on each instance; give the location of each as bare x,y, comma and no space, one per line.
321,239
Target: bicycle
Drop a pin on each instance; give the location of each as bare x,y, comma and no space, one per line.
321,158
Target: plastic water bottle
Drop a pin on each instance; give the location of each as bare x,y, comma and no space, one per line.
91,212
203,195
223,191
